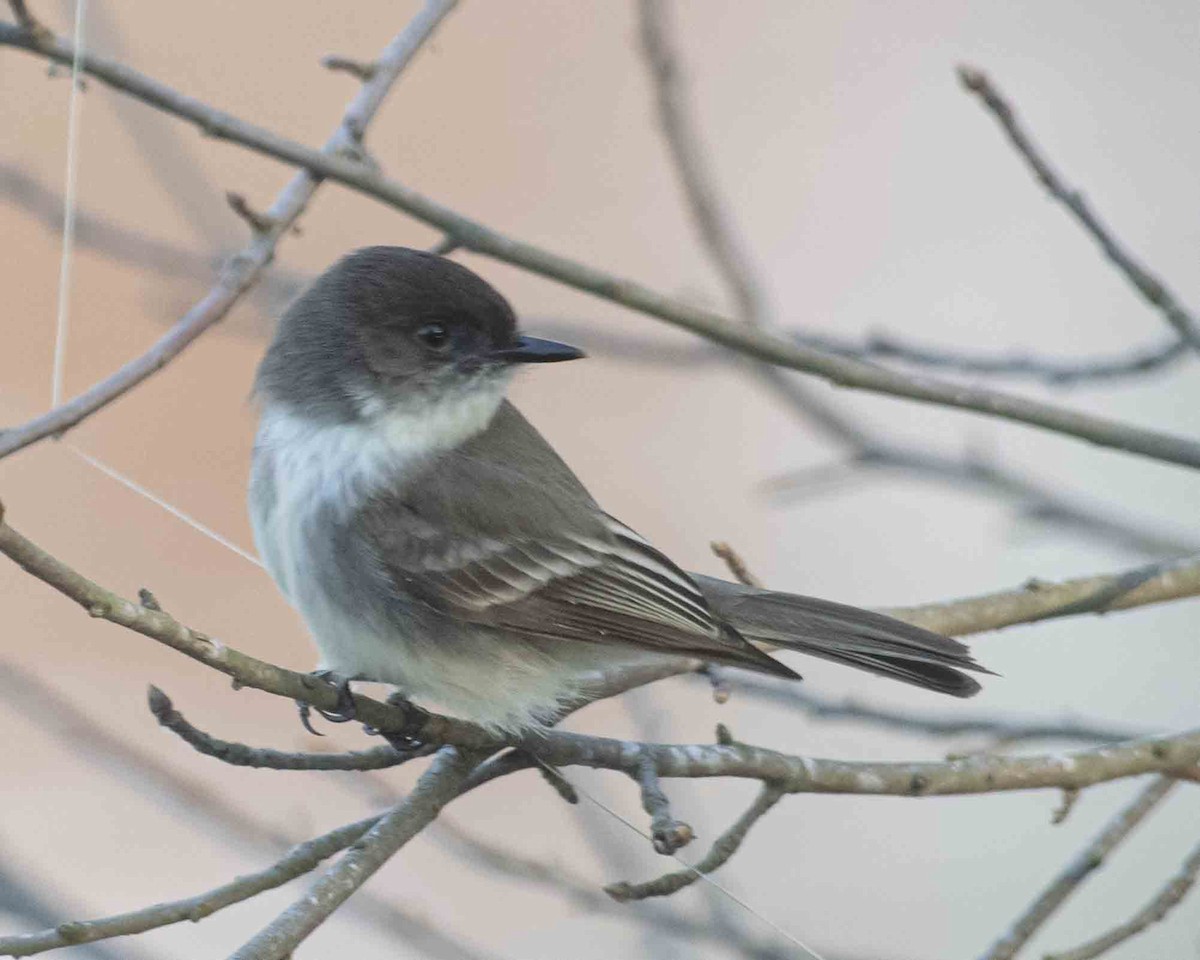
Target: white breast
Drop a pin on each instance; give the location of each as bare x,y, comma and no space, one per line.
304,470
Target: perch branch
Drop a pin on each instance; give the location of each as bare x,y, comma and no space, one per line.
240,755
558,748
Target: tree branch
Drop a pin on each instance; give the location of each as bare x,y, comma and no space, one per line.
558,748
666,833
439,785
475,236
299,860
1169,897
58,716
1041,600
1090,858
240,755
38,32
715,228
1148,285
1000,727
1050,371
722,849
1032,497
242,271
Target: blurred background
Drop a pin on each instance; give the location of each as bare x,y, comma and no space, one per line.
874,196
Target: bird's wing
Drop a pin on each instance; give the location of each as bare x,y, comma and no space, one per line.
523,547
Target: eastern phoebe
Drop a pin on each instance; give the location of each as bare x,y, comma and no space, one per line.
432,539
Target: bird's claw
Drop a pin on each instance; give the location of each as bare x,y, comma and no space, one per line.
408,737
345,712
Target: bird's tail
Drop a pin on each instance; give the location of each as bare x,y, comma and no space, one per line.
849,635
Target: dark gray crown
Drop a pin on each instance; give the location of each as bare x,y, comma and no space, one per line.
356,329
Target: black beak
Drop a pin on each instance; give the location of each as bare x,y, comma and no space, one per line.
535,350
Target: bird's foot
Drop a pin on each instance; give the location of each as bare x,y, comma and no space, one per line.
346,710
408,737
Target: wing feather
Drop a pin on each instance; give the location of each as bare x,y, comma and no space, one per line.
524,548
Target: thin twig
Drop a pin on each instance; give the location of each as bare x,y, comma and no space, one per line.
475,236
582,892
243,270
725,847
28,22
439,785
259,222
713,224
1052,372
299,860
1148,285
1167,898
666,833
58,715
1063,810
737,566
240,755
715,228
1036,499
356,68
1039,600
1089,859
1000,727
559,784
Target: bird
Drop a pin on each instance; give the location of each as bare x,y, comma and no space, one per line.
433,540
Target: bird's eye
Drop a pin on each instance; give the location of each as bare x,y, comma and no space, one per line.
434,335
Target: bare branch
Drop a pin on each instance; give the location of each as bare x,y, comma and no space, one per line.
725,847
38,32
1000,727
1063,810
737,566
1148,285
58,716
1090,858
1169,897
299,860
356,68
666,833
1177,753
1032,497
243,270
240,755
581,891
259,222
715,228
1040,600
439,785
559,784
1052,372
718,680
475,236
